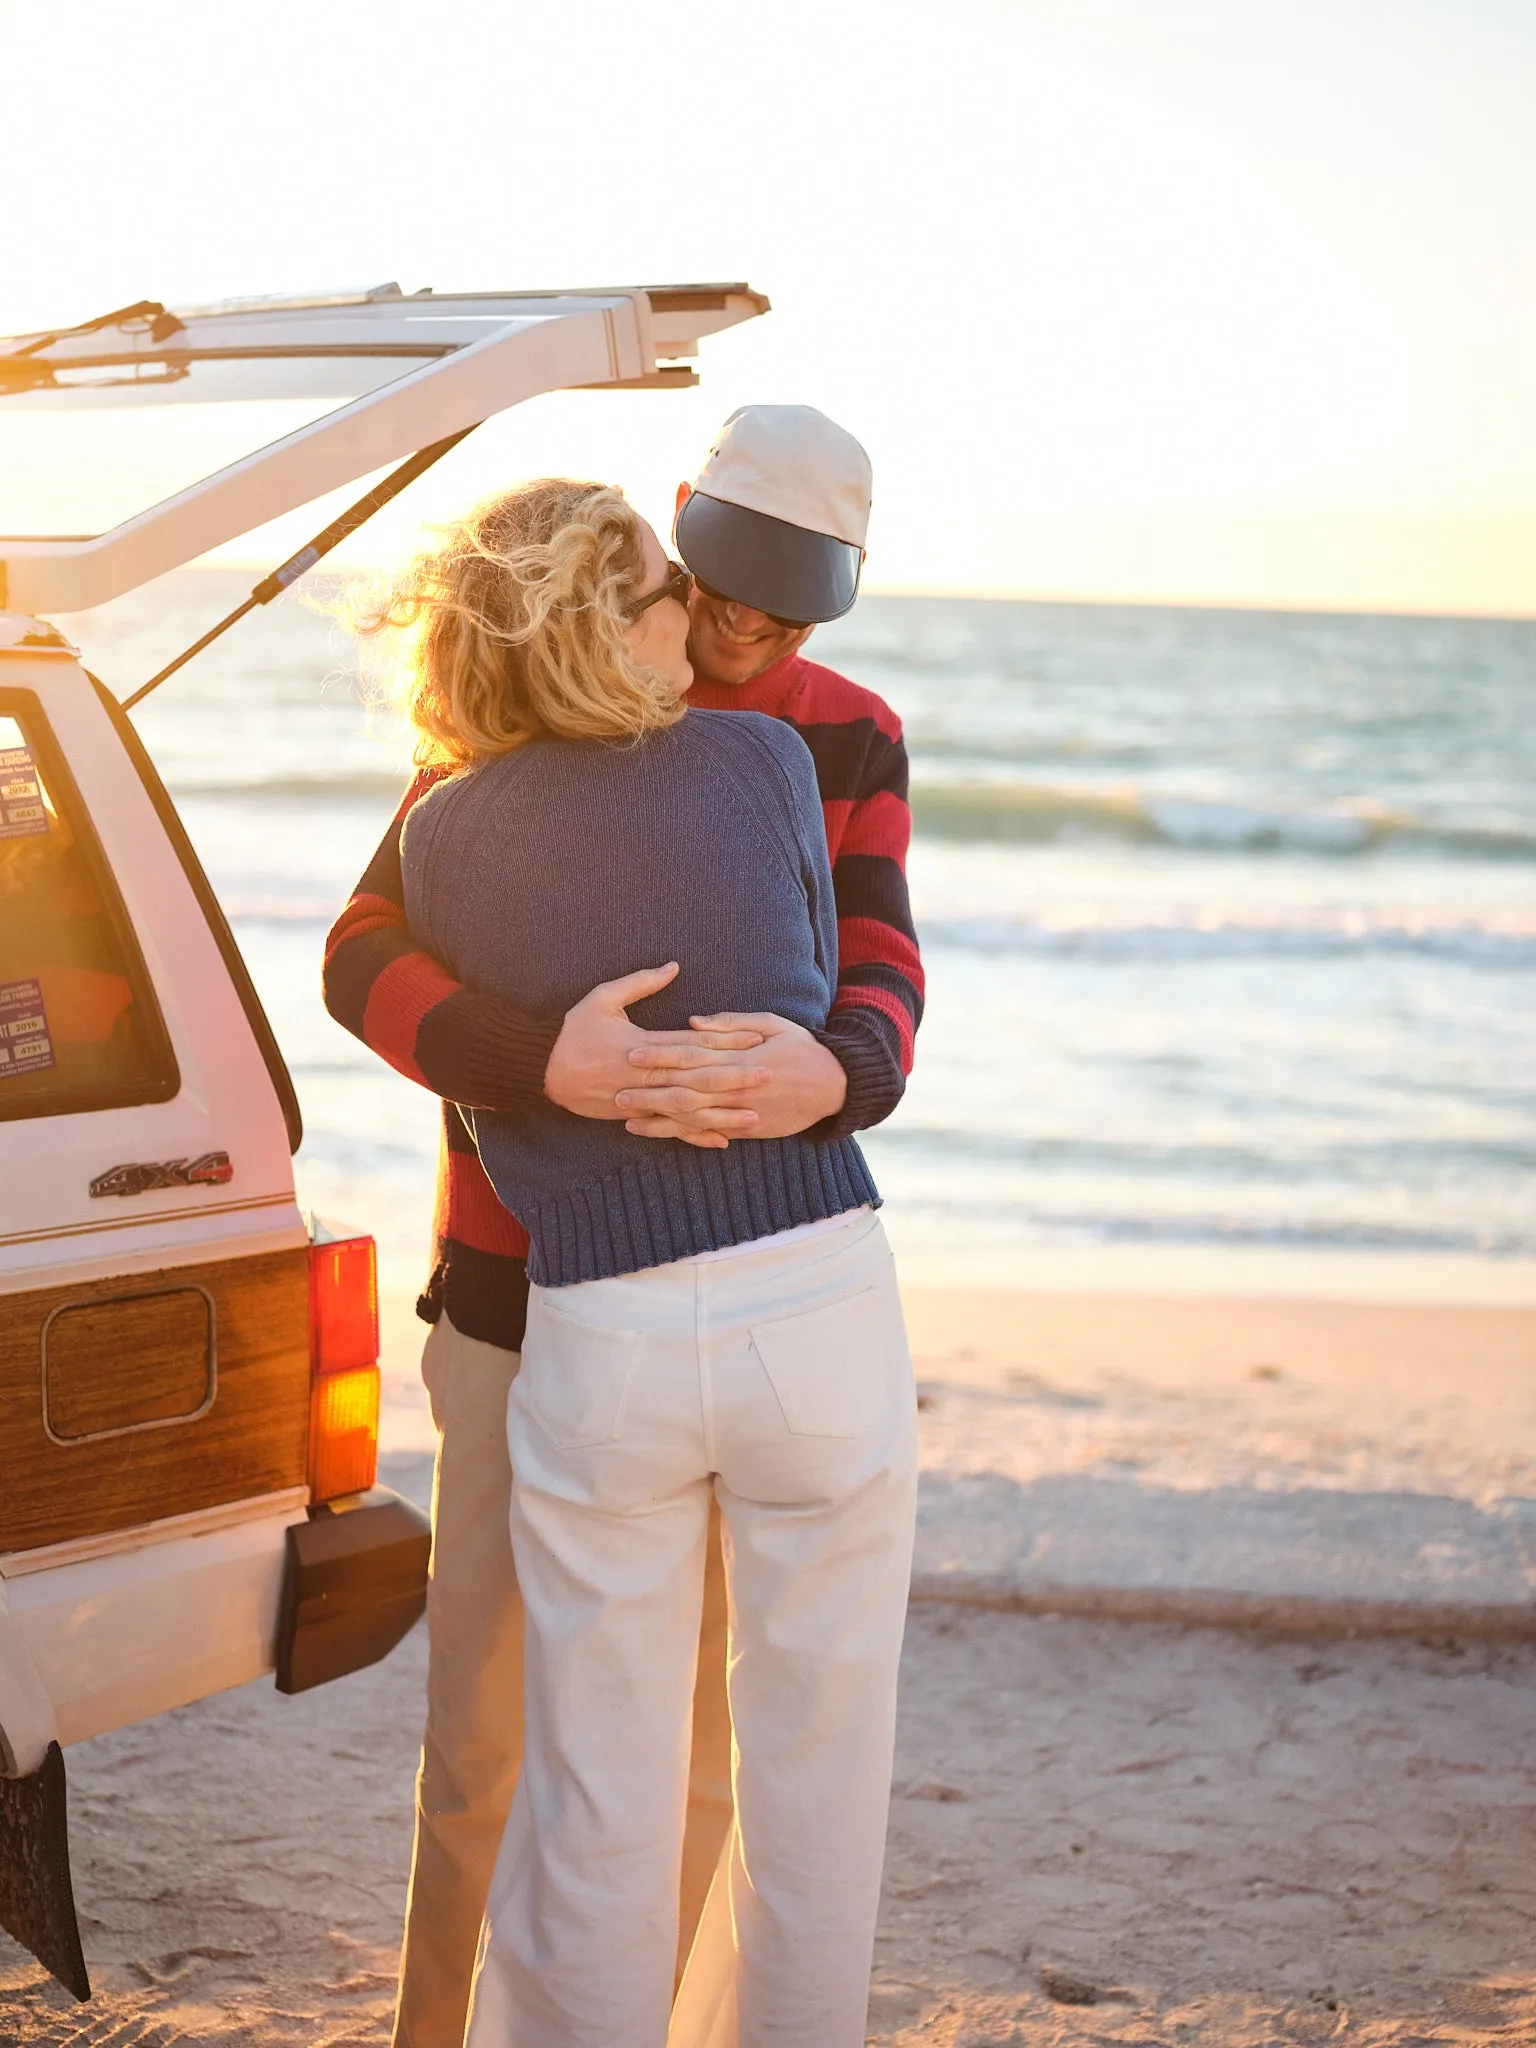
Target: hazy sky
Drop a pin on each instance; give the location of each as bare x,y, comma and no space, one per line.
1198,299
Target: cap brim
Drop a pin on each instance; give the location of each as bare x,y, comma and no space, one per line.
783,570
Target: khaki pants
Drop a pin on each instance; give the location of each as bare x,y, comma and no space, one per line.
473,1746
776,1383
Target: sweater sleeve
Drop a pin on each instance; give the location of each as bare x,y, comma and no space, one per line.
880,986
810,832
379,984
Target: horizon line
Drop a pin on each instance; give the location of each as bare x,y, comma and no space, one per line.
1302,608
1305,608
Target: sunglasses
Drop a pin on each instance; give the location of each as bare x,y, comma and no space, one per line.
678,584
719,597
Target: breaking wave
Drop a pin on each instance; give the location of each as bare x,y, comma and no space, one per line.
1026,813
1302,935
1021,812
351,785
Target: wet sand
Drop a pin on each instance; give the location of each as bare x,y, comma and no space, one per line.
1102,1832
1195,1394
1185,1393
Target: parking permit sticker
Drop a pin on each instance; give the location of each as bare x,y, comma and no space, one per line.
21,796
25,1046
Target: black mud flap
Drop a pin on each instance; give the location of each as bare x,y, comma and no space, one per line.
37,1900
354,1582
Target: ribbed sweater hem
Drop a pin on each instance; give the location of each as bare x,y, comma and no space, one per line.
684,1201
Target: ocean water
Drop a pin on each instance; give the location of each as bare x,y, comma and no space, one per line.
1229,921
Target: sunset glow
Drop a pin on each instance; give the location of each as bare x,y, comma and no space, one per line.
1213,303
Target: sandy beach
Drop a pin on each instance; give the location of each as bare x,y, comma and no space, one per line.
1102,1832
1083,444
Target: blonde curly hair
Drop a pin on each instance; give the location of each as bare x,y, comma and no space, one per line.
514,624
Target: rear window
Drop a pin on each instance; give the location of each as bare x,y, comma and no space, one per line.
79,1025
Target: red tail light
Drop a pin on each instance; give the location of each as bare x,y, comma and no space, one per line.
343,1305
343,1350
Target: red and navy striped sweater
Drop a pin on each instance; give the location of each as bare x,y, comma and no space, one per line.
478,1049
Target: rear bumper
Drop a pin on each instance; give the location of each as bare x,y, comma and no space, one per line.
92,1642
128,1634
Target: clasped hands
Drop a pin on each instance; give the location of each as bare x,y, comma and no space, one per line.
737,1075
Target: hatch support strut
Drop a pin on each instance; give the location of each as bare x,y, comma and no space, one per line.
314,551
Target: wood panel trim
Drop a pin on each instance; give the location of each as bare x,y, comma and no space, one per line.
251,1440
266,1507
172,1421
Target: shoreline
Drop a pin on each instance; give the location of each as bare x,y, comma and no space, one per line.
1351,1352
1199,1272
1100,1315
1268,1463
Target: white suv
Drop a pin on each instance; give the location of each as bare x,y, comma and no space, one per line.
189,1387
189,1390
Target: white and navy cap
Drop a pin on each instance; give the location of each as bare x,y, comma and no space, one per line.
778,516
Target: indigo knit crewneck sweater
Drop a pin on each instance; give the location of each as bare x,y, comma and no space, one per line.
570,862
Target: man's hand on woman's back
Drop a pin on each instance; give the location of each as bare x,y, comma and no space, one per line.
681,1081
695,1084
591,1064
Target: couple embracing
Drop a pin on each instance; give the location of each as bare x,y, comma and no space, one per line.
642,922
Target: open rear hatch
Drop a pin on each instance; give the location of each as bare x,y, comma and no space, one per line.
188,1383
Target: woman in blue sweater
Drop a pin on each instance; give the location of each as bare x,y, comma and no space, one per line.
706,1322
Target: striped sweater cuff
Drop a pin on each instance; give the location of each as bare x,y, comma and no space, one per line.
497,1055
876,1083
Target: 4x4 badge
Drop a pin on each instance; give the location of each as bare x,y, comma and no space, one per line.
212,1170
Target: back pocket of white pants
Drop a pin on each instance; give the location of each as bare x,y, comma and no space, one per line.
824,1366
575,1377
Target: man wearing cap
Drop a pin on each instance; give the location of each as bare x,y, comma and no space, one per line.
773,531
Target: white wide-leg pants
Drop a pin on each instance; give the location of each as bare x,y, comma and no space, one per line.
779,1383
472,1746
